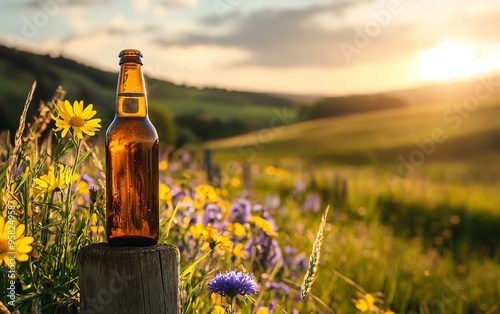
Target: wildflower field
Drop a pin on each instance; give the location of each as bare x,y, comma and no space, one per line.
266,237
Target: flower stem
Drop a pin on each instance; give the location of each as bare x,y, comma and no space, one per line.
68,209
231,310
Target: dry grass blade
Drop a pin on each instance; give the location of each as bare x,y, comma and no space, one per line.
18,139
314,258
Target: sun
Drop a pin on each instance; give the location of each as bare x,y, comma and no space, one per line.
452,60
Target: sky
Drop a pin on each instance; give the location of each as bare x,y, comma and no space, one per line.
314,47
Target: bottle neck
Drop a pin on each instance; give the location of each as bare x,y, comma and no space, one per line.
131,99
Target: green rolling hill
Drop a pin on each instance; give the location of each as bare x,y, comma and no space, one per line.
437,130
199,109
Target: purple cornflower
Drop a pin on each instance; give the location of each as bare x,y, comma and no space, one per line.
233,283
212,215
266,250
241,211
279,286
93,189
88,179
312,202
273,201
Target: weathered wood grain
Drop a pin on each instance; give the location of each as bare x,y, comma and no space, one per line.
129,279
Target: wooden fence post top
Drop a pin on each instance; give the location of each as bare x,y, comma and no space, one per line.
105,248
129,279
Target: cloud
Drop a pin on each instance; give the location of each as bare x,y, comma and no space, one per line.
289,38
37,4
140,5
165,6
281,39
204,57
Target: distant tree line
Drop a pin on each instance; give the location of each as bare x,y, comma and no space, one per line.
201,127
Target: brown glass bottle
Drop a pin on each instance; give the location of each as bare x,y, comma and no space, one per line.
132,217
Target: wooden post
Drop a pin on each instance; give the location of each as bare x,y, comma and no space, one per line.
129,279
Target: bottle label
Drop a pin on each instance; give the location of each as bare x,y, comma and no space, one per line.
130,105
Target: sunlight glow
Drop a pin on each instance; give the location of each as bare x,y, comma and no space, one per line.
452,60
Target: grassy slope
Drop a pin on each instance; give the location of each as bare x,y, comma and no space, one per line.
16,77
379,136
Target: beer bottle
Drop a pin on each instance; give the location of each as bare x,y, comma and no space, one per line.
132,217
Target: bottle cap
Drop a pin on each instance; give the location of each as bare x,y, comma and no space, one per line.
130,55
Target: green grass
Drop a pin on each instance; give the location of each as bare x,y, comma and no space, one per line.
406,243
379,136
427,242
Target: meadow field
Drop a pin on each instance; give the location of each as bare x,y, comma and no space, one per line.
412,224
413,193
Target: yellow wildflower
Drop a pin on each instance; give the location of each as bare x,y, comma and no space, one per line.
218,310
52,181
165,193
271,171
235,182
263,310
13,243
239,250
163,165
366,304
264,225
237,229
225,207
213,240
198,231
216,299
211,237
95,224
206,193
76,117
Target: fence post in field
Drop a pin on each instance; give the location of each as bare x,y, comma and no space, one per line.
213,171
129,279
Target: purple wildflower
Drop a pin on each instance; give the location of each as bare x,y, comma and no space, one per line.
266,251
17,171
212,215
271,307
279,286
93,189
241,211
299,187
233,283
312,202
87,179
299,263
273,201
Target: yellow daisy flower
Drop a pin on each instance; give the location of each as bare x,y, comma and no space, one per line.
264,225
218,310
211,237
165,193
263,310
76,117
13,243
198,231
237,229
206,193
366,304
50,181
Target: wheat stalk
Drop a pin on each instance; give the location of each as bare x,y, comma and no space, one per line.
18,140
314,258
